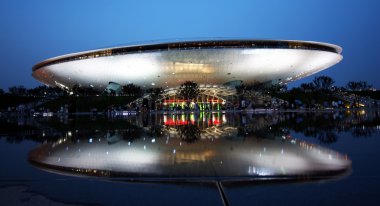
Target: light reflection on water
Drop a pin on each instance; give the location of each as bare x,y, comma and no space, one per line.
195,144
195,147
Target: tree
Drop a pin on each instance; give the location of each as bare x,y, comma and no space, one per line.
256,86
189,90
90,91
132,90
240,89
323,83
2,93
42,91
36,92
58,91
358,86
17,91
240,92
189,133
78,90
155,94
307,87
353,86
276,88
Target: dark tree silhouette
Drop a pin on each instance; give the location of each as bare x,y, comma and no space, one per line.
275,89
189,90
189,133
154,95
132,90
323,83
17,90
307,87
358,86
256,86
76,90
240,90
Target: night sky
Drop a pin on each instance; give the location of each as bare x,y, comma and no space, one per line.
31,31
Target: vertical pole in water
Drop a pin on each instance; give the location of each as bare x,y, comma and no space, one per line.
222,194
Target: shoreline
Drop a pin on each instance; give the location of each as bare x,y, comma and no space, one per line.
134,113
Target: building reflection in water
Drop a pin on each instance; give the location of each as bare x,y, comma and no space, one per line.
212,147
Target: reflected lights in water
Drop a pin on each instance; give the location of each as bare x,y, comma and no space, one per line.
224,155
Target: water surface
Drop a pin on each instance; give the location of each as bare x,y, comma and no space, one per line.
219,158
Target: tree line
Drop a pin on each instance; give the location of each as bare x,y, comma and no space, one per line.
188,90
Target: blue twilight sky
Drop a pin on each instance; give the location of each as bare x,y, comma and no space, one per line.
31,31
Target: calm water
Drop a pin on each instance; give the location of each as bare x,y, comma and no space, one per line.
318,158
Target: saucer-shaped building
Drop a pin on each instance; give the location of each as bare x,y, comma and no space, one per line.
217,66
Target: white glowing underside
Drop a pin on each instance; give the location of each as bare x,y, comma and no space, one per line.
204,66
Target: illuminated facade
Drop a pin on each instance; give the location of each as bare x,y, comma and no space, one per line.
217,66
